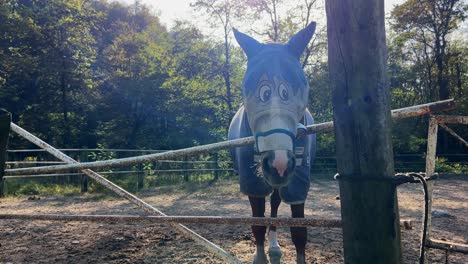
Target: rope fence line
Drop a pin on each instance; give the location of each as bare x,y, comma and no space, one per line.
317,128
211,247
216,220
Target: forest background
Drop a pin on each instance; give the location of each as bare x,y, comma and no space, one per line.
102,74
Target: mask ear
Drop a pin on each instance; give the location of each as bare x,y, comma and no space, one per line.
247,43
298,42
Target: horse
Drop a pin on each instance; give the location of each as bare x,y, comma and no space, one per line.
273,110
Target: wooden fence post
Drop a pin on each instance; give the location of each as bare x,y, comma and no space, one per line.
140,177
361,102
430,169
216,167
84,178
186,167
5,121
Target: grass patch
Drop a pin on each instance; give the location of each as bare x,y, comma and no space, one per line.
45,189
164,182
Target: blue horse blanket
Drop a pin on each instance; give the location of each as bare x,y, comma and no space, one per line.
246,165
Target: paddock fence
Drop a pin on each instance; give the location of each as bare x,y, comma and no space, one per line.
85,168
207,168
435,122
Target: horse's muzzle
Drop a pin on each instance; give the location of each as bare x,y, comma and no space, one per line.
278,166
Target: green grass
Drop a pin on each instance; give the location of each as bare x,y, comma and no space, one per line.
48,186
33,188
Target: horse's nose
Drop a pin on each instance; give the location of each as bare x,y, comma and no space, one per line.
278,164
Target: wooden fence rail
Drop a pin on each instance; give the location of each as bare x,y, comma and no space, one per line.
217,220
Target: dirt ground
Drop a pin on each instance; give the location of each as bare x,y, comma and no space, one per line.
89,242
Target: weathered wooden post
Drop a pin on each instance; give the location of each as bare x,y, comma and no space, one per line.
140,177
186,168
215,167
5,120
84,178
357,61
430,169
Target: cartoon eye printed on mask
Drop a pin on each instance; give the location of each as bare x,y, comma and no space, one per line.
283,92
265,92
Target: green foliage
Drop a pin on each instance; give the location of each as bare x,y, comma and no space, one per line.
427,62
101,154
444,166
29,189
21,188
100,74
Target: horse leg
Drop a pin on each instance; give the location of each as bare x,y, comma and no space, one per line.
299,234
275,250
258,210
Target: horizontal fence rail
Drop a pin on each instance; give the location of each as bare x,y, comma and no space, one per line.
446,245
218,220
318,128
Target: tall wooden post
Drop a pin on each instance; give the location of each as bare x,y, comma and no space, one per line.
357,61
430,169
5,120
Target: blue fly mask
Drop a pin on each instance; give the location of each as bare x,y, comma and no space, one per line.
275,93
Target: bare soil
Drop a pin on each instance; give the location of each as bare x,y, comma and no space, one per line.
89,242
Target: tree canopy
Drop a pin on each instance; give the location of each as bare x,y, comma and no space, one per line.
82,73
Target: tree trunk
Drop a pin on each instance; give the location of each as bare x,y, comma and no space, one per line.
459,79
66,129
275,23
361,99
66,126
227,74
442,81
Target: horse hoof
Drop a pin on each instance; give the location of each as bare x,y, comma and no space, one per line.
275,255
256,261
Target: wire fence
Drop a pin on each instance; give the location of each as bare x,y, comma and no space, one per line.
133,177
203,168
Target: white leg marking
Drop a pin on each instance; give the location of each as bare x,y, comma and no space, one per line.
273,238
